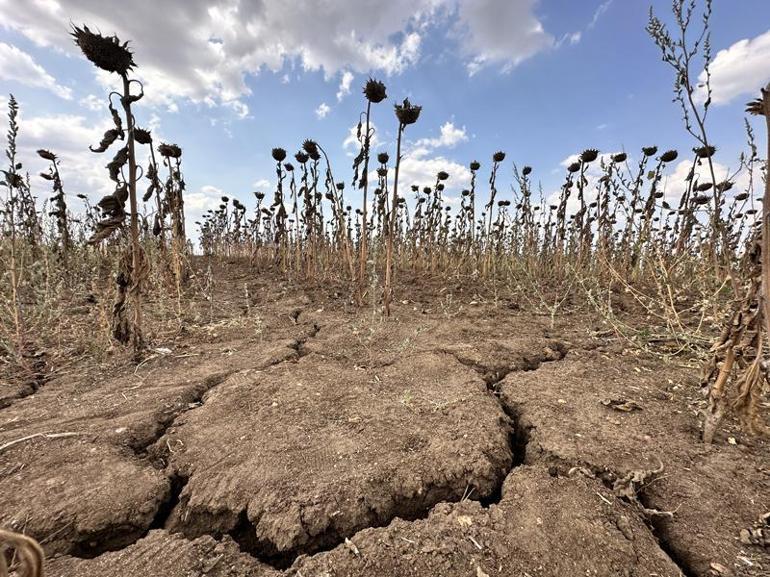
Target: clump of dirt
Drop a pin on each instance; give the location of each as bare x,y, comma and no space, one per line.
78,496
162,554
93,490
544,525
299,456
701,498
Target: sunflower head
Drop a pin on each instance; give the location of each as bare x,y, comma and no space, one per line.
301,157
311,147
383,158
704,151
142,136
46,154
669,156
526,170
105,52
619,157
169,150
757,106
442,175
374,90
498,156
649,150
475,165
407,113
589,155
279,154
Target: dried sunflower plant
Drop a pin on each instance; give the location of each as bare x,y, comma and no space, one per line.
739,353
109,54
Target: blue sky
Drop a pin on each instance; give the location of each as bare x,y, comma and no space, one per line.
228,80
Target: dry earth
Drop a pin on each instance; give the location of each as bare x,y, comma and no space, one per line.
461,437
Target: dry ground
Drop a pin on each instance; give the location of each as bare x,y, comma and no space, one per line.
293,435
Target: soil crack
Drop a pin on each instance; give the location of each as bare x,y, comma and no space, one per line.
300,342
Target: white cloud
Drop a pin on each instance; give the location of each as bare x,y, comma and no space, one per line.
600,10
93,102
18,66
420,164
67,136
322,110
421,170
740,70
345,81
504,33
450,137
218,43
196,204
675,182
262,185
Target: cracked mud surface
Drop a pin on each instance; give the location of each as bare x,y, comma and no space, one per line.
476,442
320,451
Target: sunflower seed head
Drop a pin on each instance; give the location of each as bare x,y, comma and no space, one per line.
374,90
407,113
105,52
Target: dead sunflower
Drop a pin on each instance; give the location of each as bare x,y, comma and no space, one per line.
104,52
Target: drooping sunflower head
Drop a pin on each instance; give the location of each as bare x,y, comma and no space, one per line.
589,155
279,154
383,158
105,52
374,90
142,136
169,150
498,156
311,147
669,156
46,154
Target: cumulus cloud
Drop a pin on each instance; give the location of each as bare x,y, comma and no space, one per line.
421,169
197,203
345,81
322,110
262,184
740,70
422,159
506,33
218,43
18,66
68,136
449,137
